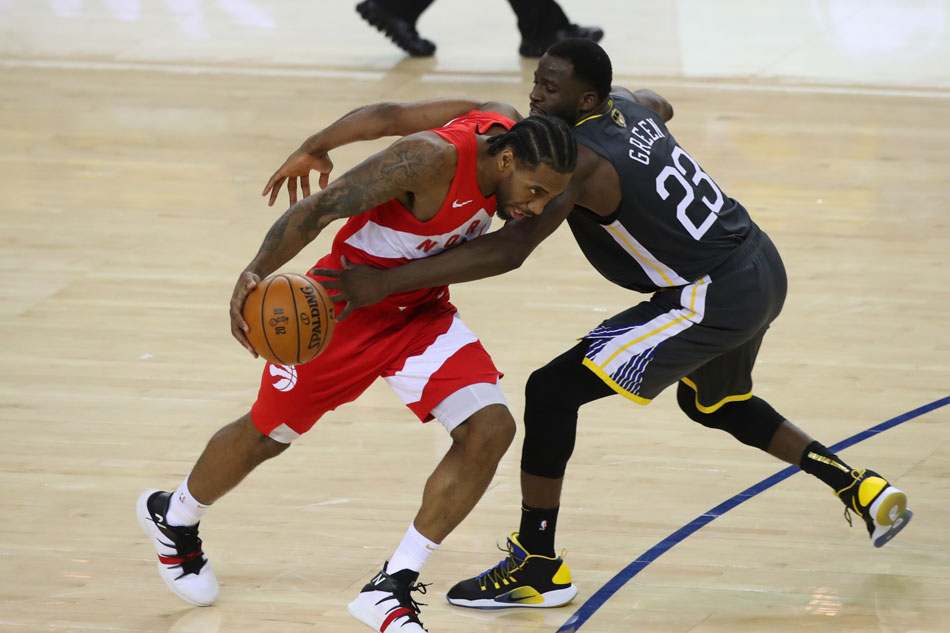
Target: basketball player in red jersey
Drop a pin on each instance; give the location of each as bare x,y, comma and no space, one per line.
426,193
648,218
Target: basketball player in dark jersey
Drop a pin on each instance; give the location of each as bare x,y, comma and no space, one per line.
649,218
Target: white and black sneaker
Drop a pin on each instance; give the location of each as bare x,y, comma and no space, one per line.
181,563
385,603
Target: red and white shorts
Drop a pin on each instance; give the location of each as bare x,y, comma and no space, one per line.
425,353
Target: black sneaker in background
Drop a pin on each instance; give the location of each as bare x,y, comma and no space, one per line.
536,47
402,32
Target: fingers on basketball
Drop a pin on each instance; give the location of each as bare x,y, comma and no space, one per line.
290,318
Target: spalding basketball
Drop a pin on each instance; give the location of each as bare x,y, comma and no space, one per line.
291,318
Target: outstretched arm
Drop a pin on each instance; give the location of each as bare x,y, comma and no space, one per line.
364,124
410,164
486,256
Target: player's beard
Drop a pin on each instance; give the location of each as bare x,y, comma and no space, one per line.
501,202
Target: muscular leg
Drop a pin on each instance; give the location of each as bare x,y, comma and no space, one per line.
755,423
462,476
553,396
231,453
171,520
532,571
793,445
540,492
789,443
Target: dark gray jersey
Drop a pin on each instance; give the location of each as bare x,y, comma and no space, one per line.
674,224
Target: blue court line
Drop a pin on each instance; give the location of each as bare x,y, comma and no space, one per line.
603,594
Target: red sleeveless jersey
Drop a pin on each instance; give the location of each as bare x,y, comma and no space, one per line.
389,235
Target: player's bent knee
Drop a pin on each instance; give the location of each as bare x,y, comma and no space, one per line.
553,395
686,399
267,447
494,421
753,421
550,419
546,383
260,445
564,383
467,402
487,433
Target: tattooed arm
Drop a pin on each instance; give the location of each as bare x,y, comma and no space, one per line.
412,164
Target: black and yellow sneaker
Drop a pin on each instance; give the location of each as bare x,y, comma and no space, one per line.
520,580
882,506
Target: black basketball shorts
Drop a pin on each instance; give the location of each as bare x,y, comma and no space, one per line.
706,334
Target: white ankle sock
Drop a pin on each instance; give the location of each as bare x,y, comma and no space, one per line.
412,553
184,509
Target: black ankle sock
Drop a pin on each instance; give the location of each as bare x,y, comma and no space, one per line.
825,465
536,534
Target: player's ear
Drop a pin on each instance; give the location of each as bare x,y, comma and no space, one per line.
506,159
587,101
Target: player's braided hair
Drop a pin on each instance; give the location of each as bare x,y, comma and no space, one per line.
539,140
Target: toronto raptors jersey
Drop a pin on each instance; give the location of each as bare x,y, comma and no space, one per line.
674,224
389,235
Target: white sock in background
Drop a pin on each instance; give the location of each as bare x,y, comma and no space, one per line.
412,553
184,509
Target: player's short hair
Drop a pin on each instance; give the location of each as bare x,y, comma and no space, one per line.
591,63
539,140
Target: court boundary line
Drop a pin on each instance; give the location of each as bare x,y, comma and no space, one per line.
602,595
712,83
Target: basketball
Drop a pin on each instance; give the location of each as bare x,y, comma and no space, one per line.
291,318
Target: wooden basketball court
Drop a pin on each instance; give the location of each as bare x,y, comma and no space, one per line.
135,138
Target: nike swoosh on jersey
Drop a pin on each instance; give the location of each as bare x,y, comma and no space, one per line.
458,204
